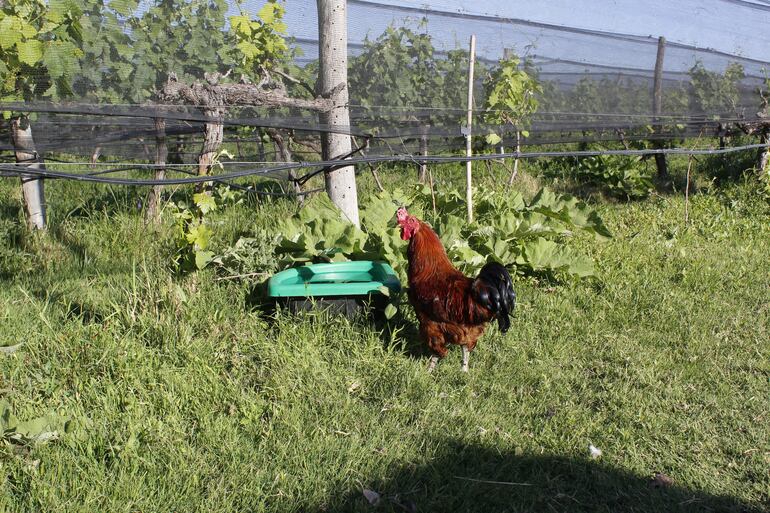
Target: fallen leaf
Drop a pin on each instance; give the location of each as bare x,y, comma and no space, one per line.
10,349
372,496
661,480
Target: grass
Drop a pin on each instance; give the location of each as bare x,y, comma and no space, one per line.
183,397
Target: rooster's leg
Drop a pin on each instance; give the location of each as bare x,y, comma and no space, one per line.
432,363
466,357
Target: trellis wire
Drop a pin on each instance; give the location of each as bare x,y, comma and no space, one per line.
11,169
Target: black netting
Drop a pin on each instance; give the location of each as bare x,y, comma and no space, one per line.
407,70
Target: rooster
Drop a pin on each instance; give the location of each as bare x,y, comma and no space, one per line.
451,308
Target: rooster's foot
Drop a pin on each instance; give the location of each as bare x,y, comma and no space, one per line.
432,363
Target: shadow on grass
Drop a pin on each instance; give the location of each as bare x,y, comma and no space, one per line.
9,210
72,309
109,201
408,340
475,478
730,167
70,243
14,255
399,331
267,188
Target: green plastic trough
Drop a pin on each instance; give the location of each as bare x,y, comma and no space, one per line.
342,287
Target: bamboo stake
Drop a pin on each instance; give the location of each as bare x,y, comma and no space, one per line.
487,481
423,169
376,177
374,169
515,171
687,184
432,192
687,193
657,106
469,124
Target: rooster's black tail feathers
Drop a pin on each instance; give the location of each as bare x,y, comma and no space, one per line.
495,292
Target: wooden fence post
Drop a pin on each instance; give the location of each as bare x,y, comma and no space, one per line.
213,133
469,124
31,185
283,154
152,214
333,80
764,134
657,107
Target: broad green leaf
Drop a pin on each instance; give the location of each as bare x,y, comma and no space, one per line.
30,52
390,311
379,213
9,32
248,49
547,255
569,210
27,31
267,13
199,236
240,24
38,427
202,258
123,70
280,27
60,60
465,256
205,202
57,10
47,27
493,139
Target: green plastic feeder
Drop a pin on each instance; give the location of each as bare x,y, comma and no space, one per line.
342,287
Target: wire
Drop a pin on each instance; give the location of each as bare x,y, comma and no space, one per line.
743,3
334,164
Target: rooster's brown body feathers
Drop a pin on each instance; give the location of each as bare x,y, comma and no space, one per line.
451,307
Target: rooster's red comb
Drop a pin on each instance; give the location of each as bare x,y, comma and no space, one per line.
401,214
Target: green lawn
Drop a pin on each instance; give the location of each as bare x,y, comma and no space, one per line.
183,397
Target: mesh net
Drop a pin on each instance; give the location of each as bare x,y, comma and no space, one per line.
407,77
